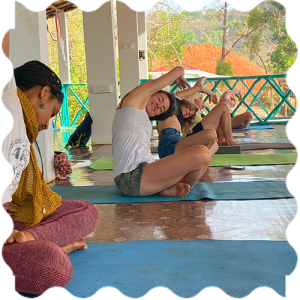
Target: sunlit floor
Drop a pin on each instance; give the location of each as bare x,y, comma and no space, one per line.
187,220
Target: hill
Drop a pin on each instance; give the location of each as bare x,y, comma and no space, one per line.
204,57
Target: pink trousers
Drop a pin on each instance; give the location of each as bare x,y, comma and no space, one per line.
41,264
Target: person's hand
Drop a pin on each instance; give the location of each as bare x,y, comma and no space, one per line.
213,99
201,81
199,103
181,82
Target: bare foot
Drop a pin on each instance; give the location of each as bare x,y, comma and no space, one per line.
79,245
201,80
233,142
19,237
180,189
223,143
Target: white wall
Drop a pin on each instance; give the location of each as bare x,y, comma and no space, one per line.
128,48
28,41
101,70
142,40
63,53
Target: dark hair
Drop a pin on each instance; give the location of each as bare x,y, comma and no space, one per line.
34,73
168,113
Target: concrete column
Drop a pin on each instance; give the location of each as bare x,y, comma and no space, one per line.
101,70
128,48
28,41
142,38
63,54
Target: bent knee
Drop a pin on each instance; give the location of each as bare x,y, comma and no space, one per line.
249,115
201,155
212,134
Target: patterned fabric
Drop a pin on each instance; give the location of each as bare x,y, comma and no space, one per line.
33,199
128,184
62,165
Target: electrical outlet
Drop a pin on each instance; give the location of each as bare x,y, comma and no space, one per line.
99,89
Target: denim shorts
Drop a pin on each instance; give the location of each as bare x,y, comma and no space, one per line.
168,139
128,184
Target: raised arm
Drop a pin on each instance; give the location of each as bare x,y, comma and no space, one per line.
198,87
229,93
5,44
139,96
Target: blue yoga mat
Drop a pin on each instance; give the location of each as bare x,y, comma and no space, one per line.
106,194
185,267
255,127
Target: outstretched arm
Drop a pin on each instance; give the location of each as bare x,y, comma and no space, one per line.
139,96
229,93
198,87
5,44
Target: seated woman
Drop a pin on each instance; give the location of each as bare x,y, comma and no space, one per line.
240,121
46,229
136,173
170,138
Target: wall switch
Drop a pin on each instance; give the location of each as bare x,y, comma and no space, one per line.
99,89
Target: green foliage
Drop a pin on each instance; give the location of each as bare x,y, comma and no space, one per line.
267,21
224,67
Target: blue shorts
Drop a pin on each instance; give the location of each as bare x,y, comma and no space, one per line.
168,139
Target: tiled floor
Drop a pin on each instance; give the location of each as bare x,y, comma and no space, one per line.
186,220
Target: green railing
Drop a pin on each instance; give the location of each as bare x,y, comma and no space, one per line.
256,91
81,105
259,88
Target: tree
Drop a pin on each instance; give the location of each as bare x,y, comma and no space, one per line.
267,22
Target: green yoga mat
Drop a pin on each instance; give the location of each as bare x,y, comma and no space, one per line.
102,163
222,160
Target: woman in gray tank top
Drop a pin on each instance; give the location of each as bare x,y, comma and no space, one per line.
171,176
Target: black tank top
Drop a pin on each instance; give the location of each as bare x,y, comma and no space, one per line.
179,111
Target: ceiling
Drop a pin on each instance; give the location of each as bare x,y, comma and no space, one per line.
59,6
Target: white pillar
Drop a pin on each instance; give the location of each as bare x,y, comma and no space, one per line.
101,70
142,38
63,54
28,41
128,48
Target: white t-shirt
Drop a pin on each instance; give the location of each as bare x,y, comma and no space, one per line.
131,135
16,146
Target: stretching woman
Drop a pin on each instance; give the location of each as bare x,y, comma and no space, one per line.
46,229
136,173
240,121
170,138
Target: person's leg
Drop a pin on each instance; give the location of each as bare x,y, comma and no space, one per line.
72,221
175,174
205,137
220,115
66,227
37,266
241,121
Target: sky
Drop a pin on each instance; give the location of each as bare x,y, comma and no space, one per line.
211,4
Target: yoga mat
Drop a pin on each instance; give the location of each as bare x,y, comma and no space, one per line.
222,160
102,163
238,134
254,127
252,190
185,267
262,146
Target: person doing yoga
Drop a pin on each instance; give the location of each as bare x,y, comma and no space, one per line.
240,121
136,173
45,228
170,138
